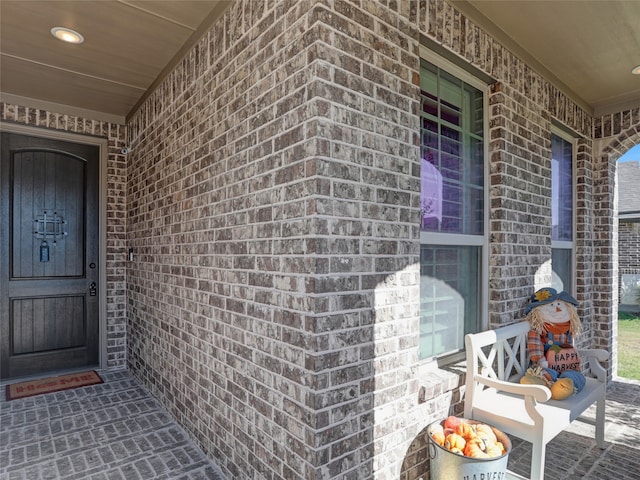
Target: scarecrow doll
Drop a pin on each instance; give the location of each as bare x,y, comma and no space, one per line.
555,363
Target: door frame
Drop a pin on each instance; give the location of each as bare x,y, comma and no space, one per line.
103,145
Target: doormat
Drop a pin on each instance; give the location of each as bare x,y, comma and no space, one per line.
52,384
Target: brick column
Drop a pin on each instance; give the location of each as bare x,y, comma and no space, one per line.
520,199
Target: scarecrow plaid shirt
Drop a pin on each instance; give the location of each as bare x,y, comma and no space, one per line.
536,343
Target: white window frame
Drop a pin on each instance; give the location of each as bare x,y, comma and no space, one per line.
482,241
564,244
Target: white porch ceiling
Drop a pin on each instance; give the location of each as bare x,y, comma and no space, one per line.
128,45
587,48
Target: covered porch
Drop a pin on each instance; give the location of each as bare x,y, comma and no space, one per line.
117,430
261,243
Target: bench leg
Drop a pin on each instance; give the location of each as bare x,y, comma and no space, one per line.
600,406
537,460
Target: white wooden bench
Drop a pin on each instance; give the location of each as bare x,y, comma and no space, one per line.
496,359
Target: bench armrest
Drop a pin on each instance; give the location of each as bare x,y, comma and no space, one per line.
531,394
537,392
597,353
595,356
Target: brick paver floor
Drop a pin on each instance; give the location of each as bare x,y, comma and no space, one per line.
574,455
112,431
118,431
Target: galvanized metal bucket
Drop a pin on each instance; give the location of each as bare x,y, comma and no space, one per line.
446,465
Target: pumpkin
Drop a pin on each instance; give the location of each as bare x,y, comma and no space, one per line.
486,432
452,422
475,448
436,427
465,430
562,389
495,450
474,440
438,437
454,441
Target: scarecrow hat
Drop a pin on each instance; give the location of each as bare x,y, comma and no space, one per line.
548,295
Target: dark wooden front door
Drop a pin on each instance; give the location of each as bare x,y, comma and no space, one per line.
48,255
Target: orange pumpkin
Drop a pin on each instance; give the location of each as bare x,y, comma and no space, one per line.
454,441
474,440
438,437
452,422
475,448
464,430
562,388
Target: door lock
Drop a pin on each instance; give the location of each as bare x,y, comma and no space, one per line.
93,289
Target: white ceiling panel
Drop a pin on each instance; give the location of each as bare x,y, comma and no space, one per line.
128,44
587,48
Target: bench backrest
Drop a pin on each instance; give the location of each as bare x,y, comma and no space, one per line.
499,354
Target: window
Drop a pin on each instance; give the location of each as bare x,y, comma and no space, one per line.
562,157
452,198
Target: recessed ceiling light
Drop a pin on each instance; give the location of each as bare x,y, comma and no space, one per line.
67,35
636,70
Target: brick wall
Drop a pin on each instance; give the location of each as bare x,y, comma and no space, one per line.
115,211
272,203
520,191
621,128
615,134
628,260
272,206
629,243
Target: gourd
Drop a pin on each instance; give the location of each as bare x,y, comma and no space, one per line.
438,437
476,448
485,431
495,450
562,388
451,422
437,434
454,441
465,430
477,440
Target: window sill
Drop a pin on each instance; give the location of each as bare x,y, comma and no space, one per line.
435,381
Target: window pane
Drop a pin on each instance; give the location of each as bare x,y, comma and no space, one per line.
561,189
474,100
449,297
562,271
452,168
452,202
